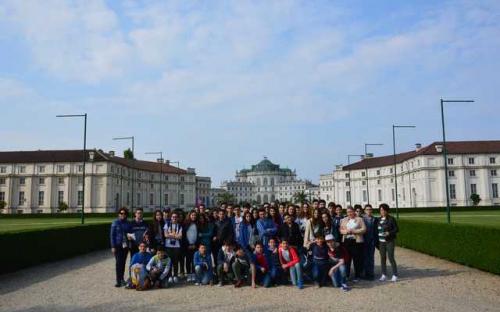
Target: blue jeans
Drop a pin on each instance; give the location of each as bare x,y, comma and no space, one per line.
339,276
263,278
276,274
320,271
203,275
369,260
296,275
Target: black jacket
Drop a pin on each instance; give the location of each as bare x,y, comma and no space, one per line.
224,231
390,225
292,234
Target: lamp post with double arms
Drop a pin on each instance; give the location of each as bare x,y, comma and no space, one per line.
394,127
349,173
161,172
84,157
133,159
445,156
366,170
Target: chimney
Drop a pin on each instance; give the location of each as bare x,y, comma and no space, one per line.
159,160
368,155
167,162
418,147
91,155
112,153
439,148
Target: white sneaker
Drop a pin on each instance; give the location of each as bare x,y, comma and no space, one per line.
170,280
197,284
382,278
394,278
176,279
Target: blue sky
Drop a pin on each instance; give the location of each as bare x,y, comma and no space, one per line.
219,84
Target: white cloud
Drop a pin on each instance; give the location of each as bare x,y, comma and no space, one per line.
76,41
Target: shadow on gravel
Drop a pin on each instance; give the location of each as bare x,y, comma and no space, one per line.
27,277
406,273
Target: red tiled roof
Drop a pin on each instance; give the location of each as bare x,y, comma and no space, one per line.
455,147
16,157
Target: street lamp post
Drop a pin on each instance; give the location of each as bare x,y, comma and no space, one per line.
84,157
394,127
133,158
348,163
161,171
445,155
366,170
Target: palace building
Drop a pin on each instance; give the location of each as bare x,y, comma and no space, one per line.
473,168
45,181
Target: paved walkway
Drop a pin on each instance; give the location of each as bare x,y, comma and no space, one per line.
86,284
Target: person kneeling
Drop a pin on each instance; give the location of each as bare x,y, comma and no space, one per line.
159,268
243,266
320,261
261,267
137,271
225,259
338,271
203,266
290,260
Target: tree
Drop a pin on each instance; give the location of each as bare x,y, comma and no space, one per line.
128,154
225,197
300,197
63,206
3,204
475,199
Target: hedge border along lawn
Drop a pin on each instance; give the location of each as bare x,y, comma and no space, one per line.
471,245
29,248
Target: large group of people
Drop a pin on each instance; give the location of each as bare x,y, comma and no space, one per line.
275,244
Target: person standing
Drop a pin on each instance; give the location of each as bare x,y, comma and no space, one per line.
387,229
370,240
138,229
266,227
352,229
223,231
155,231
119,245
290,231
190,236
173,237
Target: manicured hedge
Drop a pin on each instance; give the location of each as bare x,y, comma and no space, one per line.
471,245
28,248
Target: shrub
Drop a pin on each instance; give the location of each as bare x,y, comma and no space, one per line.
471,245
63,206
28,248
475,199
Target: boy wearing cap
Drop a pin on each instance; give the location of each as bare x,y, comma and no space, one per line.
338,271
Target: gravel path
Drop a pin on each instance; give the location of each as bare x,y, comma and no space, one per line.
86,284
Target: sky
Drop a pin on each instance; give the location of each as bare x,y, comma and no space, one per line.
218,85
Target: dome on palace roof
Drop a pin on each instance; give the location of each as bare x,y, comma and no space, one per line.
265,165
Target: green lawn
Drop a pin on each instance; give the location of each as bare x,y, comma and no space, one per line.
480,217
20,224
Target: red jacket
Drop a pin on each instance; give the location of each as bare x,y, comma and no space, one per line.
294,257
